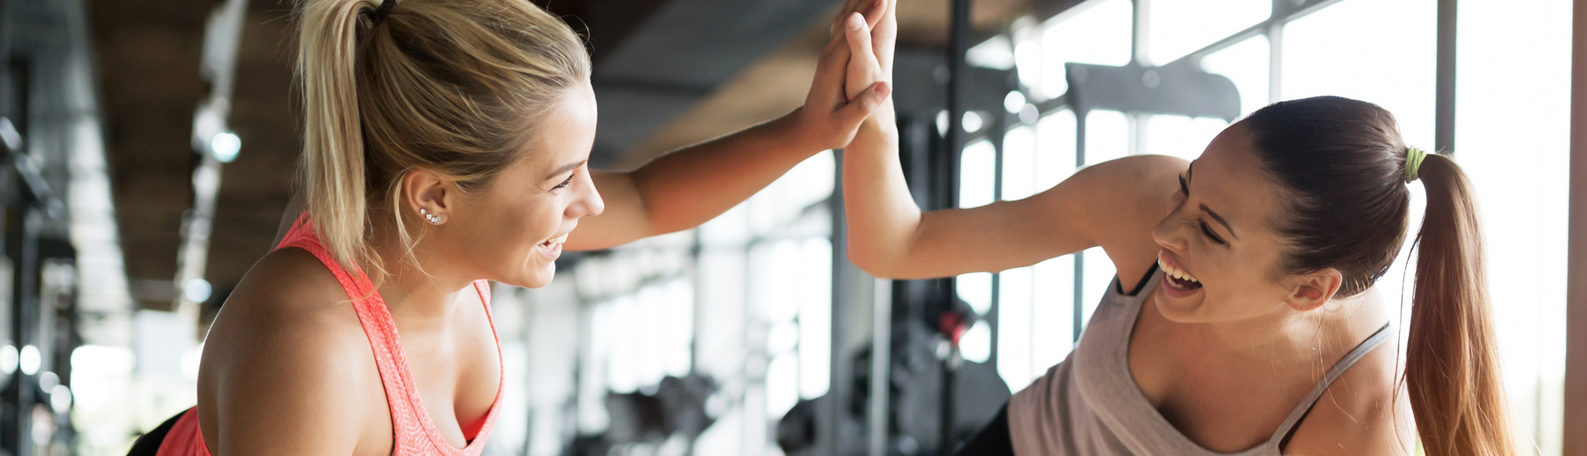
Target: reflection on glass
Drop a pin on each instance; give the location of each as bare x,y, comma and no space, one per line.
1096,32
1246,65
1014,331
1512,129
976,174
1179,136
1382,51
1181,27
1019,170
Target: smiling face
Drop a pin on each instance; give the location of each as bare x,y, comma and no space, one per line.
512,230
1220,256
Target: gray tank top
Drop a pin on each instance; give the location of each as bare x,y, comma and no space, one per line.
1089,404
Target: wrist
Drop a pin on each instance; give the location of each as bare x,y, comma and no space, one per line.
795,129
883,120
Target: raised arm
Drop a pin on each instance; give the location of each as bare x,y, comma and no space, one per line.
1113,204
685,188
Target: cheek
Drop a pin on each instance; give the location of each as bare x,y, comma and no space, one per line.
538,218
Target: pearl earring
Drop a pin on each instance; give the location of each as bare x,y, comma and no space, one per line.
432,218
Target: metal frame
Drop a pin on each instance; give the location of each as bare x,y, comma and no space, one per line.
1444,109
1575,407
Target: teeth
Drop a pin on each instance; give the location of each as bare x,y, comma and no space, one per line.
1176,273
557,240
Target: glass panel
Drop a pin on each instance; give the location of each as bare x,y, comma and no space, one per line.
1097,275
976,344
1381,51
815,318
1055,155
1019,170
1107,136
1179,27
976,290
782,390
1180,136
807,183
1245,64
976,183
976,173
1096,32
1013,329
1052,311
1512,140
996,53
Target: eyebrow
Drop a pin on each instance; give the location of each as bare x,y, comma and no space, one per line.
1208,210
1220,219
565,168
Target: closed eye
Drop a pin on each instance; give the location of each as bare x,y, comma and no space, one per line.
565,182
1208,231
1184,188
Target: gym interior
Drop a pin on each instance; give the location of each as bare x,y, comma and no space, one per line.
150,150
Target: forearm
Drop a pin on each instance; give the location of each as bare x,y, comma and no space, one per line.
682,189
882,217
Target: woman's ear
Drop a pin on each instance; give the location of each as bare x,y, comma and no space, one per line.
427,195
1313,289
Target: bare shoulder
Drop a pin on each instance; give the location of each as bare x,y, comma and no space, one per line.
286,356
1135,192
1363,412
287,291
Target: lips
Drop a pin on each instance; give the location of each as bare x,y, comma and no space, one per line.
552,248
555,241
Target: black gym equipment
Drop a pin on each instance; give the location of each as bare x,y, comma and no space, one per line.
915,390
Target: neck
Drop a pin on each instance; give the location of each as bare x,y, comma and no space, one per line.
1296,337
413,293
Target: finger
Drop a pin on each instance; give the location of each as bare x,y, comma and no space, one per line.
836,29
884,34
871,9
831,70
873,12
863,67
858,36
856,111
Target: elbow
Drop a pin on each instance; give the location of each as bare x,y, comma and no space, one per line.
871,260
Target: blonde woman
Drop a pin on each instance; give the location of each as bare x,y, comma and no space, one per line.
1244,319
446,146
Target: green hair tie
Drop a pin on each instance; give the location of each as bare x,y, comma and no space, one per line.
1413,162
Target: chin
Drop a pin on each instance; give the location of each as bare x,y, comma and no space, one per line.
1179,309
537,277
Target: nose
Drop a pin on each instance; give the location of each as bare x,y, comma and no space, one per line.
1169,235
589,202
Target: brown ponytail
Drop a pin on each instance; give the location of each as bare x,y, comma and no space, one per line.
1342,163
1452,368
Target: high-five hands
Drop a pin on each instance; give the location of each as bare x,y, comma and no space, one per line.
881,19
853,76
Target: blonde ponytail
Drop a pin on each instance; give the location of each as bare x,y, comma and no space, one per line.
333,140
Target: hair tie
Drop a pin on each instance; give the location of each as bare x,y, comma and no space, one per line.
381,11
1413,162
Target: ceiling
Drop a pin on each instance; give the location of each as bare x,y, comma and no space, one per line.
667,73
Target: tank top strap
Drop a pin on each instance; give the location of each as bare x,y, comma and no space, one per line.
408,429
1287,429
